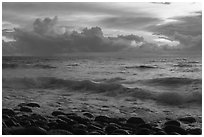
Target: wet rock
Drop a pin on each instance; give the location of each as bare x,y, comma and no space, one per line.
67,120
9,112
52,125
25,123
27,131
38,117
25,109
61,124
187,120
135,121
114,124
98,124
160,133
120,132
143,131
195,131
80,119
36,131
173,123
80,126
80,132
110,129
10,123
56,113
147,126
93,128
170,128
156,129
103,119
174,133
32,104
59,132
5,117
22,104
95,133
88,115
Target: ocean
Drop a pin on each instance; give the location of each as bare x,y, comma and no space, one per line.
152,87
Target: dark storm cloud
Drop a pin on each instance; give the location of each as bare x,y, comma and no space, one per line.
44,39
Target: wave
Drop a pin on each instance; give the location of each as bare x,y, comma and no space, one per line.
107,88
15,65
171,81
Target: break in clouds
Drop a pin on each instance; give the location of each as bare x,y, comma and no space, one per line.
46,36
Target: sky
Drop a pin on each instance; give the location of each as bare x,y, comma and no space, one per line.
58,28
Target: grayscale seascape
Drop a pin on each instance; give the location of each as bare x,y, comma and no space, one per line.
59,77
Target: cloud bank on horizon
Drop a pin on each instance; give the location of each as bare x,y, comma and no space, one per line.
60,28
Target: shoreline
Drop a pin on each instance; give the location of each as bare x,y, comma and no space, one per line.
24,119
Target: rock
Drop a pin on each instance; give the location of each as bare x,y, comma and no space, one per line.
147,126
27,131
80,126
114,124
156,129
93,128
170,128
38,117
187,120
160,133
143,131
67,120
5,117
80,119
79,132
9,112
52,125
120,132
25,123
56,113
195,131
22,104
88,115
59,132
173,123
103,119
33,105
25,109
135,121
173,133
36,131
10,123
110,128
95,133
61,124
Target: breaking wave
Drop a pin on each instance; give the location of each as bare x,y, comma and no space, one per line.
171,81
113,89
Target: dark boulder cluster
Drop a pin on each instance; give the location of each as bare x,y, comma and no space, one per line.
24,121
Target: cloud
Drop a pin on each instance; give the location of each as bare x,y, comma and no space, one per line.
187,30
48,38
45,39
189,41
129,22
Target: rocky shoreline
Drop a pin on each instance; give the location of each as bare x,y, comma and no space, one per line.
23,121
